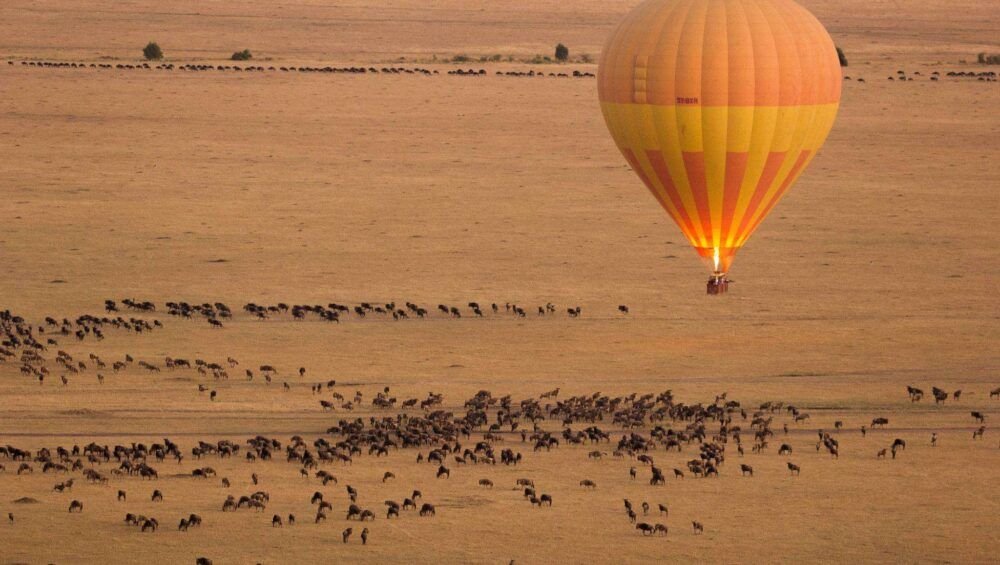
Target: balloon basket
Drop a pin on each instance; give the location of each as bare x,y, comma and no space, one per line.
717,284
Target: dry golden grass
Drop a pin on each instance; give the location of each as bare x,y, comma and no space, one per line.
878,271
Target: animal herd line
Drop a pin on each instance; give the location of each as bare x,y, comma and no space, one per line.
381,70
191,68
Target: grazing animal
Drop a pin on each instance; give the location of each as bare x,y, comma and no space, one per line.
698,527
746,470
794,469
645,528
121,496
588,483
347,534
364,536
427,510
75,506
486,483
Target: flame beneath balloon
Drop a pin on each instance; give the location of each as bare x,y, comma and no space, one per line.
715,259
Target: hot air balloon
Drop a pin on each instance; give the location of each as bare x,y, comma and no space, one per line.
718,106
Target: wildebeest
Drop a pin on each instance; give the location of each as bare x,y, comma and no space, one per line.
746,470
794,469
698,527
588,483
75,506
427,509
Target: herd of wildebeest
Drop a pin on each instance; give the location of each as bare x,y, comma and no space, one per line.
483,431
306,69
901,75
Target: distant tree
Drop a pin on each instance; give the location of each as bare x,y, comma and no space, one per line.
244,55
988,59
152,52
842,57
562,52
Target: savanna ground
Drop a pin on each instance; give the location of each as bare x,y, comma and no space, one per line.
879,270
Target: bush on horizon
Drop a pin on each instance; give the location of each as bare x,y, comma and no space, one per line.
562,52
152,51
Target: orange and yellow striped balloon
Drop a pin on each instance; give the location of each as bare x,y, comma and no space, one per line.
718,106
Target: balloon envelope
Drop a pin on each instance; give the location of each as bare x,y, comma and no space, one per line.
718,106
